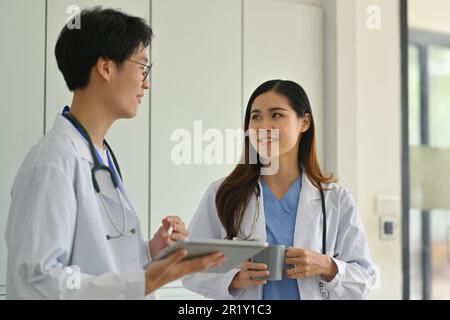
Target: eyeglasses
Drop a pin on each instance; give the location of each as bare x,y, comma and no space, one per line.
146,68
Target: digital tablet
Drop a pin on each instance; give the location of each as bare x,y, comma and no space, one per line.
236,251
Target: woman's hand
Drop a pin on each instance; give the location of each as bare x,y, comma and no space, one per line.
173,267
309,264
243,279
162,238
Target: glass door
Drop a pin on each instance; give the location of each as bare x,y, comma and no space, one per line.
429,153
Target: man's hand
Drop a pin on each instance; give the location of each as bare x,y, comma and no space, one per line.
173,267
163,237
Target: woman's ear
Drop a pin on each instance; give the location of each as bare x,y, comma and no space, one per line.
104,68
306,122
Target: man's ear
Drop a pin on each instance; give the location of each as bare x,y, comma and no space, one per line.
306,122
104,68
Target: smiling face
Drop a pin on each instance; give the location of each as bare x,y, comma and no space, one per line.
273,122
127,85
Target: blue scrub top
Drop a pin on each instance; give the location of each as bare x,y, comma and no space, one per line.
280,226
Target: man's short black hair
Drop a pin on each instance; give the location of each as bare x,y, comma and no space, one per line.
105,33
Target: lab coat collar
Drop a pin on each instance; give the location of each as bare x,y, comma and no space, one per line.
81,145
107,189
310,192
308,206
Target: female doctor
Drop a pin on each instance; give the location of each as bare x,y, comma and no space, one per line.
294,205
72,231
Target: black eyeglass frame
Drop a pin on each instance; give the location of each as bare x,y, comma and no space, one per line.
146,70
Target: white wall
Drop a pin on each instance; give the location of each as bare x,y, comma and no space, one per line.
276,50
378,138
21,95
367,124
431,15
196,77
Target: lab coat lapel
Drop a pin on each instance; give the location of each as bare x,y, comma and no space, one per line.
259,229
82,146
308,207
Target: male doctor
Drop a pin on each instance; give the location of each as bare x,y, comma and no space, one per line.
73,233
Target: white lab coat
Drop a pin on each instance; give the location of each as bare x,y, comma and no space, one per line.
346,243
57,226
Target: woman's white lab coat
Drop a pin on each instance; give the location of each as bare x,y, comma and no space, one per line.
56,230
346,243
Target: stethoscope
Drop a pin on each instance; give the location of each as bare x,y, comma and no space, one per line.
99,166
323,290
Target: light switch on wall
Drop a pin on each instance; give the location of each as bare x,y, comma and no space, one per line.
387,228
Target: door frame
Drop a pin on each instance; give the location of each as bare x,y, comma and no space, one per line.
404,42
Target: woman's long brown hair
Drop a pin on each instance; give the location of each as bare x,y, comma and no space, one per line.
237,189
